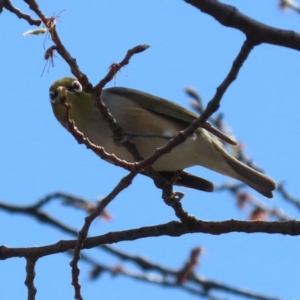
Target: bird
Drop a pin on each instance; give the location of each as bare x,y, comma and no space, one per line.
150,122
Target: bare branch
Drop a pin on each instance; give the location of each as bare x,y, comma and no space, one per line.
82,235
172,228
167,279
207,285
230,16
7,4
115,68
29,282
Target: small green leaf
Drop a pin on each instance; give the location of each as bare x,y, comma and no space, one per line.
36,31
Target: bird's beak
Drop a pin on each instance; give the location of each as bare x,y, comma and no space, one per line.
62,94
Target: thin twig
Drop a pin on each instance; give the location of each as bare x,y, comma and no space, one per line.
82,235
30,275
287,196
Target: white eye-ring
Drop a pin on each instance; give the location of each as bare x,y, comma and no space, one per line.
53,96
76,86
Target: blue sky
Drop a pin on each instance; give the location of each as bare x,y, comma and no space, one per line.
188,48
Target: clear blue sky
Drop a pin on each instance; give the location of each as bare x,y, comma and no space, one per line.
38,156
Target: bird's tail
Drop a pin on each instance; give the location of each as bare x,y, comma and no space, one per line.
258,181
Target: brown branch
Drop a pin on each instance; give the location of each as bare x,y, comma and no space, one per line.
230,16
62,246
205,284
83,79
34,211
168,279
160,280
30,274
115,68
82,235
68,245
57,195
173,228
7,4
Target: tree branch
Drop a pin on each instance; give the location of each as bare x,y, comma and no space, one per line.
230,16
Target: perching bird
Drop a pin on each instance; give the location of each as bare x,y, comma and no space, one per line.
150,122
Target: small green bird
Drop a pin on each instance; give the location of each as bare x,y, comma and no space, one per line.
150,122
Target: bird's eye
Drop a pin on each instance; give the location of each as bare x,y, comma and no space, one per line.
53,96
76,86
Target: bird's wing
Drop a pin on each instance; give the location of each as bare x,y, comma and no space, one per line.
219,134
168,109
